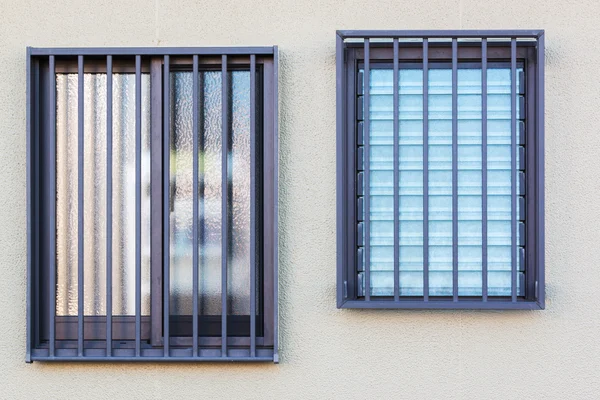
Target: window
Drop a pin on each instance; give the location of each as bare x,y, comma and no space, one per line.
152,204
440,169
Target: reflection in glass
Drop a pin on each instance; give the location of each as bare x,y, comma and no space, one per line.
210,193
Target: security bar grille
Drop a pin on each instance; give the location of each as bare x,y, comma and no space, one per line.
440,169
152,204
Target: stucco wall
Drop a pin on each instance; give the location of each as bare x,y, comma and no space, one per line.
326,352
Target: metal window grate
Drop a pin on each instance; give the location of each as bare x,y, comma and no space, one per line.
148,329
362,58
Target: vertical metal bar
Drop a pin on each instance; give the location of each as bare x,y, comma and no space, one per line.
528,139
109,195
224,213
253,205
196,155
138,204
539,190
36,171
80,215
367,189
396,166
275,204
156,201
484,250
166,201
341,224
30,183
513,157
539,152
268,191
455,169
425,169
52,216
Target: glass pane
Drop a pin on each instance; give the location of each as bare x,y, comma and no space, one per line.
181,193
210,194
440,186
239,257
95,192
210,200
124,194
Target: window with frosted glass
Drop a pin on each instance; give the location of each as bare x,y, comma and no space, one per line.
152,198
442,164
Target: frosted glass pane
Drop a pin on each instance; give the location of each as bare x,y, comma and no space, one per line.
210,204
95,192
181,234
67,215
210,197
239,271
440,184
123,203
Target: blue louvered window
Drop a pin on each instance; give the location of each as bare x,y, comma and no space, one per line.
440,169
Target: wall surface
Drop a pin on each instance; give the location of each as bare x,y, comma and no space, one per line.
326,352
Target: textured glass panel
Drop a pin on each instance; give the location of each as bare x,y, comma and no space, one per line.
94,194
239,271
210,203
210,195
95,186
469,180
123,203
66,194
181,233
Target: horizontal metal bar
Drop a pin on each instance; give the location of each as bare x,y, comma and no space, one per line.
155,359
444,305
149,51
518,33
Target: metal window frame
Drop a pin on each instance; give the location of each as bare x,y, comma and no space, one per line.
474,45
84,338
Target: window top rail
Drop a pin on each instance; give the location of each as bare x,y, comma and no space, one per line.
150,51
474,33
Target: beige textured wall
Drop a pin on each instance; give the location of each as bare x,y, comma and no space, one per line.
325,352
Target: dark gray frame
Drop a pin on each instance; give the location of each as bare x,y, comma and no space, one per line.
523,44
119,338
